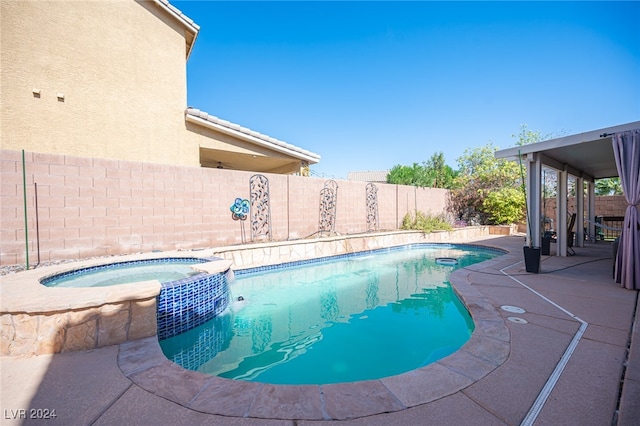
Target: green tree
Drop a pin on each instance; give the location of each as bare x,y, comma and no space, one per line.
489,190
400,175
405,175
549,183
433,173
526,136
440,174
479,174
608,186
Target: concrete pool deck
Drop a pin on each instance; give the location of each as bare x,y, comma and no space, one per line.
575,317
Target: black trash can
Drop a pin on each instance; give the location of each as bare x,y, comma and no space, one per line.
546,244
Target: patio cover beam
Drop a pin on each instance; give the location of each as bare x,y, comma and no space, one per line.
557,165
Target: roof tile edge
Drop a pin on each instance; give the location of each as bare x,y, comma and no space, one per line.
249,133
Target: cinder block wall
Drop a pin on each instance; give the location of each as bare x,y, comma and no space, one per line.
610,205
94,207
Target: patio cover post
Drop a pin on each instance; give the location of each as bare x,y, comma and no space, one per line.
561,212
591,207
579,212
534,195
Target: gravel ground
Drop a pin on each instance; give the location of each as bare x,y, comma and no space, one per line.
11,269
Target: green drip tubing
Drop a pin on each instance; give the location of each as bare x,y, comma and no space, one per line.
26,231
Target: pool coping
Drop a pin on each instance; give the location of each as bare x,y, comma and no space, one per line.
143,362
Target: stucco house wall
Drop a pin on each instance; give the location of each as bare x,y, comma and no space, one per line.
107,79
121,67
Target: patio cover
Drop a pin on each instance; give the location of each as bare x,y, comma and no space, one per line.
587,156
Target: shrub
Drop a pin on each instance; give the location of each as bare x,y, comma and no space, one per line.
505,206
425,222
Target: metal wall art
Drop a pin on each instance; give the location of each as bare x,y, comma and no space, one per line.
239,211
260,207
328,205
372,207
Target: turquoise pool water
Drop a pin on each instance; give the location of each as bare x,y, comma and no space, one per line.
358,318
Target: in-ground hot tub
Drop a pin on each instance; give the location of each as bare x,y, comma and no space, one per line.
164,270
189,296
40,319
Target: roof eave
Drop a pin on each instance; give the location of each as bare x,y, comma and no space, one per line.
513,152
310,158
187,22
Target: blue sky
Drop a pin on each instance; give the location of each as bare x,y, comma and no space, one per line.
368,85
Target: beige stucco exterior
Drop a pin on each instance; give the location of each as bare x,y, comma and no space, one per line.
121,68
107,79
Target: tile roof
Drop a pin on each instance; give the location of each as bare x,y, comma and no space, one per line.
369,176
179,13
184,19
203,118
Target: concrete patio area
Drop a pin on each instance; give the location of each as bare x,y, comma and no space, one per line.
573,359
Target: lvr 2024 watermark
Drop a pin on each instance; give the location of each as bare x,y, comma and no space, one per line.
31,413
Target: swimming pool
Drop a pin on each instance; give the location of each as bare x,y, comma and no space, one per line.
348,318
